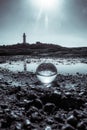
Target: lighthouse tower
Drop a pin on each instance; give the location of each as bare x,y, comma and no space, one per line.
24,38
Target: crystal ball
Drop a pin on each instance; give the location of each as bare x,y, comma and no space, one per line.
46,72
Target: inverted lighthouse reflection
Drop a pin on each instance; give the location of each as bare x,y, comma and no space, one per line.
25,66
46,73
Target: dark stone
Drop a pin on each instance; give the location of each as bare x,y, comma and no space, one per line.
28,104
27,122
67,127
4,124
18,126
55,97
32,96
32,110
4,106
72,120
50,121
14,116
18,96
58,118
38,103
1,112
68,94
36,117
49,108
81,126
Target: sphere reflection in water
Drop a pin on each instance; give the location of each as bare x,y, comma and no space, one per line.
46,72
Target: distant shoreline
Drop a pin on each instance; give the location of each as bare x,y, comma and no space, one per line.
42,50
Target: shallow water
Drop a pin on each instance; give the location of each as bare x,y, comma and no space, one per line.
63,66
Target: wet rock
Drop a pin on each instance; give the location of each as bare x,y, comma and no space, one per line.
18,126
36,117
49,108
1,112
4,124
72,120
28,104
55,97
4,106
50,120
14,116
81,126
48,128
78,114
18,96
27,122
31,110
68,94
59,118
32,96
67,127
38,103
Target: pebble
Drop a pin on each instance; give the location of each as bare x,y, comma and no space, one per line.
18,126
67,127
4,106
58,118
38,103
48,128
27,122
49,107
81,126
72,120
35,117
4,124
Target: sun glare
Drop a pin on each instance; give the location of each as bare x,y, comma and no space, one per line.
46,4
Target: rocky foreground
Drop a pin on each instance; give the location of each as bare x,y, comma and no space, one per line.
32,106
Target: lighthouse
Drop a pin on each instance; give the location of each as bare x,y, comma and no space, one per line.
24,38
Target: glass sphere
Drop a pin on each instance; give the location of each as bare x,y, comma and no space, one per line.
46,72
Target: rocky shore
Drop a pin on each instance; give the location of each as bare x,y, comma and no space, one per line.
29,105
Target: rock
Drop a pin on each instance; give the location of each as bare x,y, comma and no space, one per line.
49,107
18,126
32,96
55,97
78,114
67,127
18,96
48,128
68,94
81,126
14,116
72,120
36,117
58,118
28,104
27,122
4,106
1,112
4,124
38,103
50,121
31,110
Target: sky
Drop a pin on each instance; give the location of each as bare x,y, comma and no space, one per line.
62,22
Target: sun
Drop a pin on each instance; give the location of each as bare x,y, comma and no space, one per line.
46,4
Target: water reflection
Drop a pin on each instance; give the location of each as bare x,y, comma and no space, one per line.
30,65
25,66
